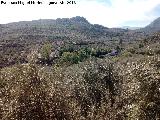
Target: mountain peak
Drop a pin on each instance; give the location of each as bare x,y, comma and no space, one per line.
152,27
79,19
155,23
72,20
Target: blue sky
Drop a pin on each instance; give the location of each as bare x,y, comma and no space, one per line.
110,13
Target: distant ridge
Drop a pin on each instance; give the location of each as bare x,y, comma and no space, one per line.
153,26
48,22
75,28
72,29
131,28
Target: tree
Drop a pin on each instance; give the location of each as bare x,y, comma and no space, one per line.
118,49
70,57
46,51
120,41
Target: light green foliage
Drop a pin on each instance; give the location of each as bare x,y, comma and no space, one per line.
84,53
67,48
72,58
75,57
46,51
98,52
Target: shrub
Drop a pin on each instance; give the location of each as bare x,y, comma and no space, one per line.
28,93
46,51
75,57
157,51
98,89
118,48
127,54
72,58
100,52
141,45
131,50
69,48
140,94
84,53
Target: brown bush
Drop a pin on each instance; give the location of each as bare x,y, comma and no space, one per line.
92,90
26,94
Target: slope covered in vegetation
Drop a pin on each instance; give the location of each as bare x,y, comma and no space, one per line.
122,87
111,79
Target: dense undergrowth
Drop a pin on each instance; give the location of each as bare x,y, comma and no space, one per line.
122,87
97,89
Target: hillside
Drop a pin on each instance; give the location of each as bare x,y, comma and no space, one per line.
121,87
18,39
153,26
69,69
76,28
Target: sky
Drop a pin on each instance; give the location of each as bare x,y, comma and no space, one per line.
109,13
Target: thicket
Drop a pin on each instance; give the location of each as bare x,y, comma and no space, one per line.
29,92
94,89
74,56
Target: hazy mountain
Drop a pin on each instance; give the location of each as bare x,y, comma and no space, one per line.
153,26
131,28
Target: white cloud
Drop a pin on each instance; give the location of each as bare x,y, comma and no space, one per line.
112,14
122,11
